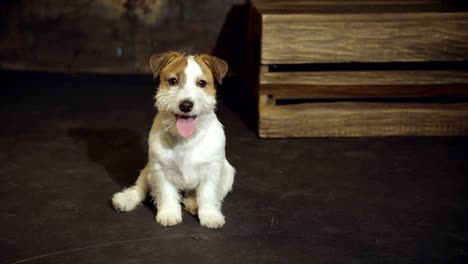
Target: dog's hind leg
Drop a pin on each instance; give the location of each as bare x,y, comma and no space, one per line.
129,198
227,179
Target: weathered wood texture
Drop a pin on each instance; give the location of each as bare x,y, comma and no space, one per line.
355,6
354,31
362,119
298,91
381,31
395,77
364,83
116,36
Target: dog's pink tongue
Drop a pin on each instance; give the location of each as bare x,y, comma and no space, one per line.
185,126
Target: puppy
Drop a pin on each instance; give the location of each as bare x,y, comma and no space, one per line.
187,162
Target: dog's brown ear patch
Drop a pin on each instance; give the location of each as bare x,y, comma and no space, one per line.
217,66
159,61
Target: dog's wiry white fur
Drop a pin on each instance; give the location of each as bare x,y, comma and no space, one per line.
193,170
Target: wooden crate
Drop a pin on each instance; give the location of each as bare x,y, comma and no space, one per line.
359,68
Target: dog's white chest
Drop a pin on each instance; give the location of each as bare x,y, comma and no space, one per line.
187,162
182,166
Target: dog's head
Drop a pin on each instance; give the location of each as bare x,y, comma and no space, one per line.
187,86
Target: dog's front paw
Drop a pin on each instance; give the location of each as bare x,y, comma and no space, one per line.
169,217
211,218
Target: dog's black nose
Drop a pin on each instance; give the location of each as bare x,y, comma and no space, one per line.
186,106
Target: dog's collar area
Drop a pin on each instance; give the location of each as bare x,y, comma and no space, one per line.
185,116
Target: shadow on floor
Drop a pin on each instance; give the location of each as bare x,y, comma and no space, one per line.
230,93
117,150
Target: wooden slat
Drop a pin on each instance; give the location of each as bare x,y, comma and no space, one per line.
336,38
294,91
350,6
363,83
362,119
391,77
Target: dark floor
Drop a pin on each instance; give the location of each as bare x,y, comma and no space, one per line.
68,143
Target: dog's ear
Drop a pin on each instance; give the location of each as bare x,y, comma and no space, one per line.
217,66
159,61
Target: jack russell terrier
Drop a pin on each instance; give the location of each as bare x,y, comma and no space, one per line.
186,162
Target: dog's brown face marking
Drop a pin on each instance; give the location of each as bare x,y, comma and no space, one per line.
214,69
171,66
209,86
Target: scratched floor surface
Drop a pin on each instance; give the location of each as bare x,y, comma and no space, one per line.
68,143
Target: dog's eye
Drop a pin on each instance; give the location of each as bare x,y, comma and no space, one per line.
201,83
173,81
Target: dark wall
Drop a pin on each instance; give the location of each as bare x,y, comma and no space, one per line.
117,36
